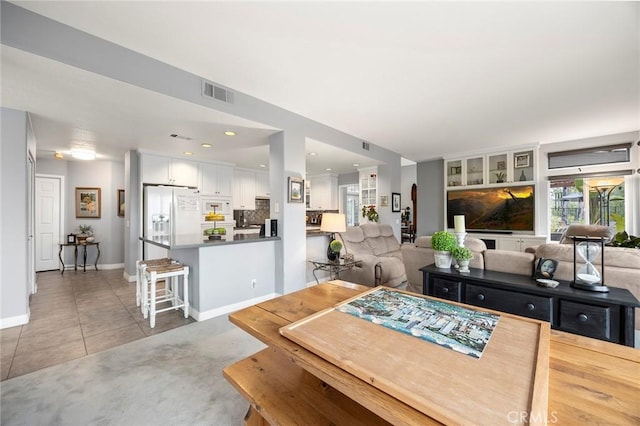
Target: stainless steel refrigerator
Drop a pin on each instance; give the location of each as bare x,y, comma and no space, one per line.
168,212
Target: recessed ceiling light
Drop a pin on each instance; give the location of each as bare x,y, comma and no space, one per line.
328,169
230,133
356,165
83,154
263,165
188,153
206,145
313,154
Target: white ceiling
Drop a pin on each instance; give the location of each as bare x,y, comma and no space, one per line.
424,79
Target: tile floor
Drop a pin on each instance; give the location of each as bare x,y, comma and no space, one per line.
77,314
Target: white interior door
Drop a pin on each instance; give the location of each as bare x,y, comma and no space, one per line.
48,219
31,252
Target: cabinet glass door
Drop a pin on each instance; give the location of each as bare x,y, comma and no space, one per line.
475,171
454,172
497,168
523,166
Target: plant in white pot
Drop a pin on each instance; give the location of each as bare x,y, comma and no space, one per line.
443,243
85,233
463,256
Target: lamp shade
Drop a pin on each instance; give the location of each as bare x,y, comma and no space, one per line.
333,222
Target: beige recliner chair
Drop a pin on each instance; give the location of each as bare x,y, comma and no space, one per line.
378,251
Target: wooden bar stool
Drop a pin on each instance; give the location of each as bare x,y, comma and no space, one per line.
170,273
140,266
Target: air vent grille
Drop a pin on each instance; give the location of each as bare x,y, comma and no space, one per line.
212,91
365,146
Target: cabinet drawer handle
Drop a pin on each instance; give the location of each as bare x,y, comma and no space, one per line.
531,306
480,296
445,289
582,317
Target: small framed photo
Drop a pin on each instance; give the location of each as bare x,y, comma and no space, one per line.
384,200
501,165
395,202
522,160
88,202
120,202
545,268
71,239
296,190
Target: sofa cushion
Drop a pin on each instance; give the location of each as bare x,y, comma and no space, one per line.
514,262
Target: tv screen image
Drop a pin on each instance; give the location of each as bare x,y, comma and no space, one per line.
493,209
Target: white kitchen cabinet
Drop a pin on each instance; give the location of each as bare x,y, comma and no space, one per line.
244,190
216,179
168,171
262,185
325,192
369,187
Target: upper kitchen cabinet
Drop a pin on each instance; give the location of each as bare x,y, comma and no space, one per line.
369,187
216,179
168,171
244,190
324,192
262,185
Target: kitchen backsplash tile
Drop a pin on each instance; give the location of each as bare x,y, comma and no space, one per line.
253,217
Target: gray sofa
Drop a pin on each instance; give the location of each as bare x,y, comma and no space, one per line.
378,251
622,265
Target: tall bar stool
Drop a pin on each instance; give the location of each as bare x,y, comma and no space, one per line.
170,273
140,267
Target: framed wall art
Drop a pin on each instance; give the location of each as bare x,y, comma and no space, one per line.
120,202
522,160
395,202
296,190
384,200
88,202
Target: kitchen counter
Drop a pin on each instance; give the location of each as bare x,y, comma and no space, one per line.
195,241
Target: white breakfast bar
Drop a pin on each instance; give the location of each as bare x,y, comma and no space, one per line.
224,275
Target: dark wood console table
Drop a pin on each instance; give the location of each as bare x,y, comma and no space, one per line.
605,316
84,254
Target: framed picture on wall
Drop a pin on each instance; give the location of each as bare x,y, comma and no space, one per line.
120,202
296,190
88,202
522,160
395,202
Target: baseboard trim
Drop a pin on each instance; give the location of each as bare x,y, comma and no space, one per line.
212,313
14,321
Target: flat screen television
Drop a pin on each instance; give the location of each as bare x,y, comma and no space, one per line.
508,208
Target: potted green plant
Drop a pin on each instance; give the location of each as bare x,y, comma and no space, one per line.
443,243
333,251
370,213
462,255
500,177
84,232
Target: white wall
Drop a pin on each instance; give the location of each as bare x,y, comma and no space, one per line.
14,292
109,228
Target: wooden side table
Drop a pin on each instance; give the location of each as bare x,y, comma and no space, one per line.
75,254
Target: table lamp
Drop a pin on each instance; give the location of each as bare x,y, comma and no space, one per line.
333,222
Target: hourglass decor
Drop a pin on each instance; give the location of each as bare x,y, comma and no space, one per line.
586,275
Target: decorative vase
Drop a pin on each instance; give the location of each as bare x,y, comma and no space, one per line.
463,265
523,177
442,259
332,255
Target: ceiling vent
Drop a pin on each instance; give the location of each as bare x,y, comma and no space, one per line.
212,91
365,146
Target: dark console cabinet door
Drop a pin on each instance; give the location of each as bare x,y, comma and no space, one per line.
526,305
447,289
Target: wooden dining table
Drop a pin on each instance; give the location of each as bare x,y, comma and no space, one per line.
590,381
